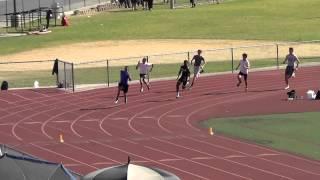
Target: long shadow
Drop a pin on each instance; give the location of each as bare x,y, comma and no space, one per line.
163,92
240,91
221,93
267,90
157,101
97,108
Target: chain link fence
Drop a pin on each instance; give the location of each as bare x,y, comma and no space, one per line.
105,72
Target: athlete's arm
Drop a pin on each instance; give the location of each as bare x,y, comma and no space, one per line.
298,62
179,73
248,67
238,66
285,60
138,65
192,60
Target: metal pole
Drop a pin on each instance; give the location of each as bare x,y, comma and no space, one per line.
65,75
7,23
148,70
39,15
73,87
277,56
57,75
108,74
172,2
188,56
232,60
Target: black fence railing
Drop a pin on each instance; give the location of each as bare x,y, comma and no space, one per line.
105,72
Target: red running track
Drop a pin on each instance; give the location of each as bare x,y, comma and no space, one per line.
156,129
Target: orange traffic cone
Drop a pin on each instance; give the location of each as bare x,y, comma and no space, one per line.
61,138
211,132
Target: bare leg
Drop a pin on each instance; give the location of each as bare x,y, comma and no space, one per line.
287,81
118,94
141,88
194,78
177,88
144,81
239,80
125,98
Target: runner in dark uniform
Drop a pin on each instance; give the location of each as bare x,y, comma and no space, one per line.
185,75
123,84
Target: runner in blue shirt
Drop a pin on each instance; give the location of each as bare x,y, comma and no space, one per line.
123,84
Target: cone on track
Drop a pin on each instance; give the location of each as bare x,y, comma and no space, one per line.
61,138
211,132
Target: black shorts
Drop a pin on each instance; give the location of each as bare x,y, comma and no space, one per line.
289,71
184,81
245,76
124,87
143,75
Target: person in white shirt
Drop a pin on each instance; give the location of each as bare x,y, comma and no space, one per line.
144,69
291,59
244,65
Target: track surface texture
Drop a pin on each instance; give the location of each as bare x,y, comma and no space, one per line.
156,129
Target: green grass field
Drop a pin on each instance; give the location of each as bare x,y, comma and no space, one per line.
285,20
296,133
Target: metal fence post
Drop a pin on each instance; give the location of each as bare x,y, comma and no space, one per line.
172,2
72,71
65,75
277,56
232,60
108,74
188,56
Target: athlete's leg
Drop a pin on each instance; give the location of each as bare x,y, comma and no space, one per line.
118,94
239,80
177,88
246,80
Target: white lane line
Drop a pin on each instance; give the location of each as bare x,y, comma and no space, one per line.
167,160
119,119
146,117
234,156
201,158
267,154
175,116
90,120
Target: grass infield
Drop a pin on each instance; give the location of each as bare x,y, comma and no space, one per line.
297,133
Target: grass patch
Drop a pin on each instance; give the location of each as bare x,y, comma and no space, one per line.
238,19
98,75
296,132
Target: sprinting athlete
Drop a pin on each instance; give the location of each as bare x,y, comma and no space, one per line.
144,69
291,59
244,65
185,76
199,63
123,84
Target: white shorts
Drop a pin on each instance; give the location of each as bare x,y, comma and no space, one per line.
197,70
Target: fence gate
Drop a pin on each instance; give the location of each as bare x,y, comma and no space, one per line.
65,78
